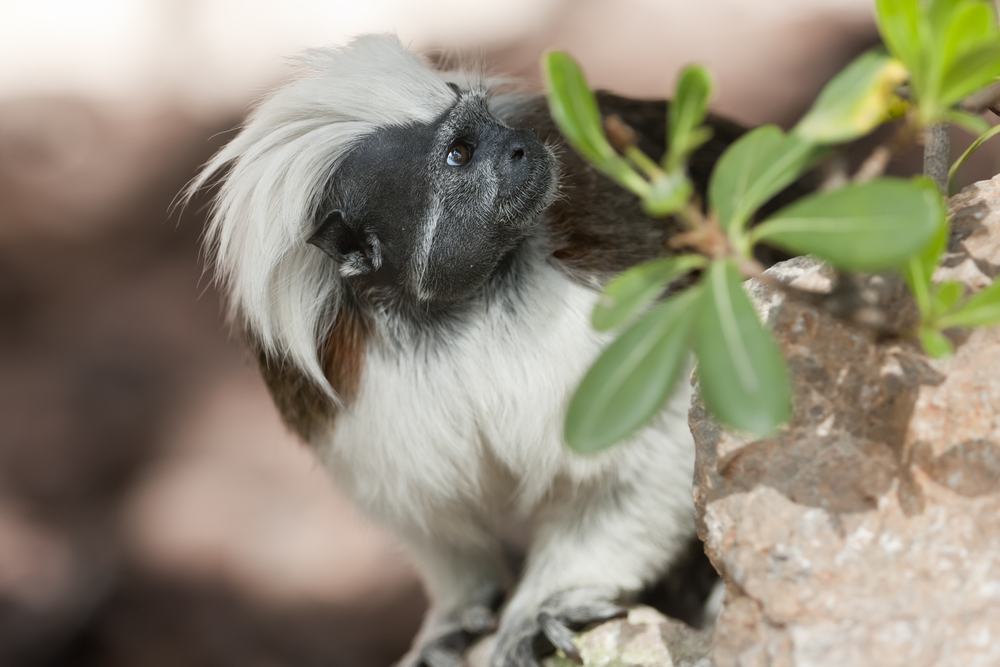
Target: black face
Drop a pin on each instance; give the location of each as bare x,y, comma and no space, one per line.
429,211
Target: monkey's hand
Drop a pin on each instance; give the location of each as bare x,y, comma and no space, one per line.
465,573
534,633
448,641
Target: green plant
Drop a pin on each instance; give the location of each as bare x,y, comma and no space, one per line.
951,49
870,224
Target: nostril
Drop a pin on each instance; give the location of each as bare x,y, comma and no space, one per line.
517,154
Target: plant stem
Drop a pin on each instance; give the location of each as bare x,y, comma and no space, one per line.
995,130
644,162
691,216
876,163
937,150
986,99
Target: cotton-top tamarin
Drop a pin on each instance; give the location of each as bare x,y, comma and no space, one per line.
413,257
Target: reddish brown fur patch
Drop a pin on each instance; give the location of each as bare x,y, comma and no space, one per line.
344,357
304,408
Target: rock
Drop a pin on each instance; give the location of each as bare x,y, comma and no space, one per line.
867,531
646,638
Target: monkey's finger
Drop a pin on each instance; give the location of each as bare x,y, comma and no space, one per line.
560,636
589,614
523,655
479,620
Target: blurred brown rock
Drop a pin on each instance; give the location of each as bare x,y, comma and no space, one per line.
153,509
867,532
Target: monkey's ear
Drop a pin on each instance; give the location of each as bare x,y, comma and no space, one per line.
356,251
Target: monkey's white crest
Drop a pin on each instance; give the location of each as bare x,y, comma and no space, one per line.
280,289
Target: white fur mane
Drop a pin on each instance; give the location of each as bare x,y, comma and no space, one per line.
282,290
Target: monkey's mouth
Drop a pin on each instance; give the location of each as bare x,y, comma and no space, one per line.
522,207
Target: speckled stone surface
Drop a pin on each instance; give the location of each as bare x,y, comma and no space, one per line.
867,532
646,638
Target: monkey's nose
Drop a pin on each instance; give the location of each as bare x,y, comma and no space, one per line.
516,154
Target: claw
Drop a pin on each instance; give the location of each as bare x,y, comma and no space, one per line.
551,626
560,636
592,614
524,655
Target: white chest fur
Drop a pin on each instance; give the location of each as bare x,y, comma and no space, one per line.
479,421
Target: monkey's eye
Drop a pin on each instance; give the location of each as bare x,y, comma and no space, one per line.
459,154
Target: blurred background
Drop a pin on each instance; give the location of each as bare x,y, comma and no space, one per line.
153,510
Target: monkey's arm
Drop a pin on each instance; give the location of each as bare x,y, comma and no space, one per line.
465,574
599,545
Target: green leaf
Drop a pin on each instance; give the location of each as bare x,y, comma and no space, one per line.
971,71
946,296
859,98
919,281
983,309
959,40
861,227
667,194
935,343
686,113
898,21
963,26
939,12
631,291
755,168
635,375
740,368
574,107
972,123
575,111
919,269
983,138
930,255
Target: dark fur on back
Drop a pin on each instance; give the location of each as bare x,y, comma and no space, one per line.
598,229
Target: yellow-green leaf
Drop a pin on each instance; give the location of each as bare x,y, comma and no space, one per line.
855,101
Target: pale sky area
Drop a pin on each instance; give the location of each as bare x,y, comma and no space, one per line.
204,53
